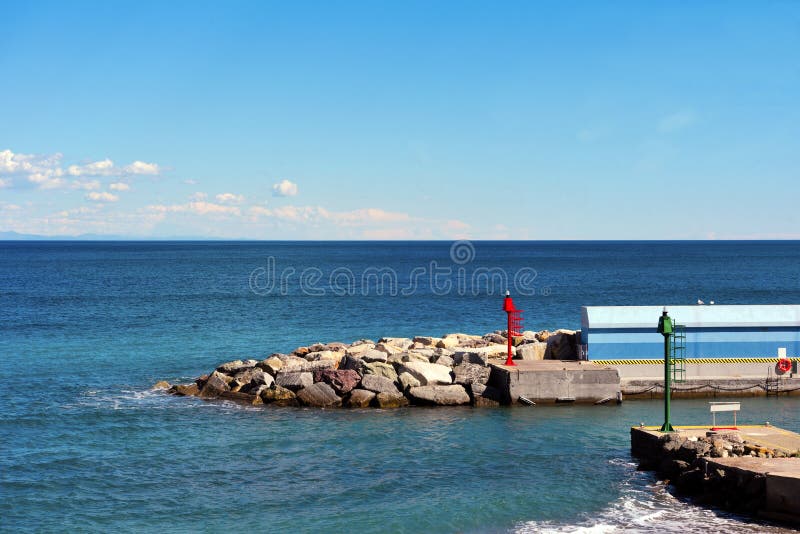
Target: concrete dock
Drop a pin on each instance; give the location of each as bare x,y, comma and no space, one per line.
552,381
764,481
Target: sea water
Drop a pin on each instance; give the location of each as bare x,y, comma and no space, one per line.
87,327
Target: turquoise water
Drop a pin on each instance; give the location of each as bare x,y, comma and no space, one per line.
87,328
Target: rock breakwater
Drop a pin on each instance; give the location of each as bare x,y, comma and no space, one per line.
392,372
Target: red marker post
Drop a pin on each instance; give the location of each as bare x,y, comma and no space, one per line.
514,325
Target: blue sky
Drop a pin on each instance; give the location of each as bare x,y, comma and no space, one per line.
418,120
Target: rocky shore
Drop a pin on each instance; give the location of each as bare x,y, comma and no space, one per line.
445,371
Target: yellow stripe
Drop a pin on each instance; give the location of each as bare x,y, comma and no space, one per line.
692,361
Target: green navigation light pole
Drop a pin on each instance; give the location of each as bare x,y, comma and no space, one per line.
665,329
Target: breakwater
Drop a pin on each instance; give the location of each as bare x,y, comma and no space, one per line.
752,470
455,369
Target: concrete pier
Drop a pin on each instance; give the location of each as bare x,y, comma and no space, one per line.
720,386
764,481
551,381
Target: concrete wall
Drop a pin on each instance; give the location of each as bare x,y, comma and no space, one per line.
741,369
549,383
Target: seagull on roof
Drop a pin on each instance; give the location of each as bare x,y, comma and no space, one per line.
700,302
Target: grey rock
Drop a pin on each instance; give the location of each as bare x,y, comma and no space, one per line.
401,343
360,398
443,359
469,373
319,395
373,355
534,350
440,395
478,358
215,385
231,368
378,384
428,373
294,381
380,369
278,395
390,400
407,380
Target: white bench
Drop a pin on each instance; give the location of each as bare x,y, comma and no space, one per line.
724,407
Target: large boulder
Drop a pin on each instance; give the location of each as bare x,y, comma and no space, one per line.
378,384
185,390
241,397
388,349
444,359
563,345
373,355
407,380
401,343
452,395
294,381
428,373
417,356
341,380
535,350
231,368
161,384
319,395
381,369
360,398
480,355
390,400
278,395
272,365
469,373
426,341
250,379
325,355
354,363
291,363
357,350
216,384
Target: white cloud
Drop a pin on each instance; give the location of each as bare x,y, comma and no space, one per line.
102,197
119,186
42,171
197,207
284,188
229,198
140,167
676,121
86,185
46,172
97,168
5,183
198,196
189,181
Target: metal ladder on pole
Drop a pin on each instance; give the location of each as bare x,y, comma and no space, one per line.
678,356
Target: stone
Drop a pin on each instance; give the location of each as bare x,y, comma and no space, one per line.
240,397
390,400
401,343
354,363
476,389
373,355
185,390
356,350
271,365
231,368
428,374
378,384
292,363
427,341
495,338
336,346
278,395
380,369
161,384
480,355
414,356
317,365
341,380
468,373
562,345
535,350
360,398
484,402
294,381
388,349
325,355
529,335
301,351
542,336
251,378
215,385
407,380
444,359
319,395
452,395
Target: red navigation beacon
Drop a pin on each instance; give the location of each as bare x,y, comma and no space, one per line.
514,325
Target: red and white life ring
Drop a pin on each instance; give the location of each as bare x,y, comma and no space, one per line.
784,364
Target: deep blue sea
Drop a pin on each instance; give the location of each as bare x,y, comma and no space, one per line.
87,327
